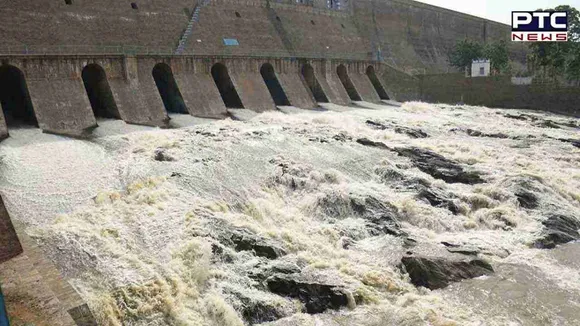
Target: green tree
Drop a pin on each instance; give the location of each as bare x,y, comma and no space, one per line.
498,54
464,53
559,58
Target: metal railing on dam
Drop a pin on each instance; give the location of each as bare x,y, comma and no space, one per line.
158,50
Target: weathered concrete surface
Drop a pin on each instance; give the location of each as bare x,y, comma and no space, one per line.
412,36
36,293
360,81
398,85
320,70
3,126
29,299
33,288
253,91
62,106
146,94
197,87
253,29
498,91
364,87
9,244
297,93
126,86
339,93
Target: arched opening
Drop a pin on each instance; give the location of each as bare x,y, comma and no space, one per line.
376,83
68,2
99,92
14,97
238,15
276,90
226,86
168,89
313,85
134,5
347,83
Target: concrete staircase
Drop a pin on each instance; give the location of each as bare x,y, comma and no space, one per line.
194,19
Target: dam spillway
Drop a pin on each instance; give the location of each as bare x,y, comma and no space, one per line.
229,162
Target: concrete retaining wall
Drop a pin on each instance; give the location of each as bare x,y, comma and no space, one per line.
500,92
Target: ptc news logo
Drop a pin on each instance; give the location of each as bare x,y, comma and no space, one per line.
539,26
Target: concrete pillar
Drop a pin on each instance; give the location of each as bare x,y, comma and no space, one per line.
338,94
364,87
3,126
253,91
198,89
9,243
62,106
136,94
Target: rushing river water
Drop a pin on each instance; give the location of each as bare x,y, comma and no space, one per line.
144,222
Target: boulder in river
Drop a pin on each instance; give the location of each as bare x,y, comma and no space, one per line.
438,198
431,163
558,229
242,239
438,166
439,272
411,132
316,297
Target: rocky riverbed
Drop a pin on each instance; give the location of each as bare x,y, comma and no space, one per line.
371,215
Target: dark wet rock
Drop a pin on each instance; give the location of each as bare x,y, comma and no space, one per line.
474,251
318,139
450,245
370,143
245,241
438,198
526,190
342,137
205,133
383,216
547,124
476,133
431,163
316,297
526,199
276,267
558,229
522,117
573,142
438,166
464,250
162,156
411,132
437,272
257,312
461,249
241,239
256,306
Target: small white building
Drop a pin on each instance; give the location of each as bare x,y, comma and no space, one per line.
480,68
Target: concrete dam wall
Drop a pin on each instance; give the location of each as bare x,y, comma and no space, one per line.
411,36
65,94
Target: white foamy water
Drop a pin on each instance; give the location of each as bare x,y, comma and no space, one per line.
134,234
